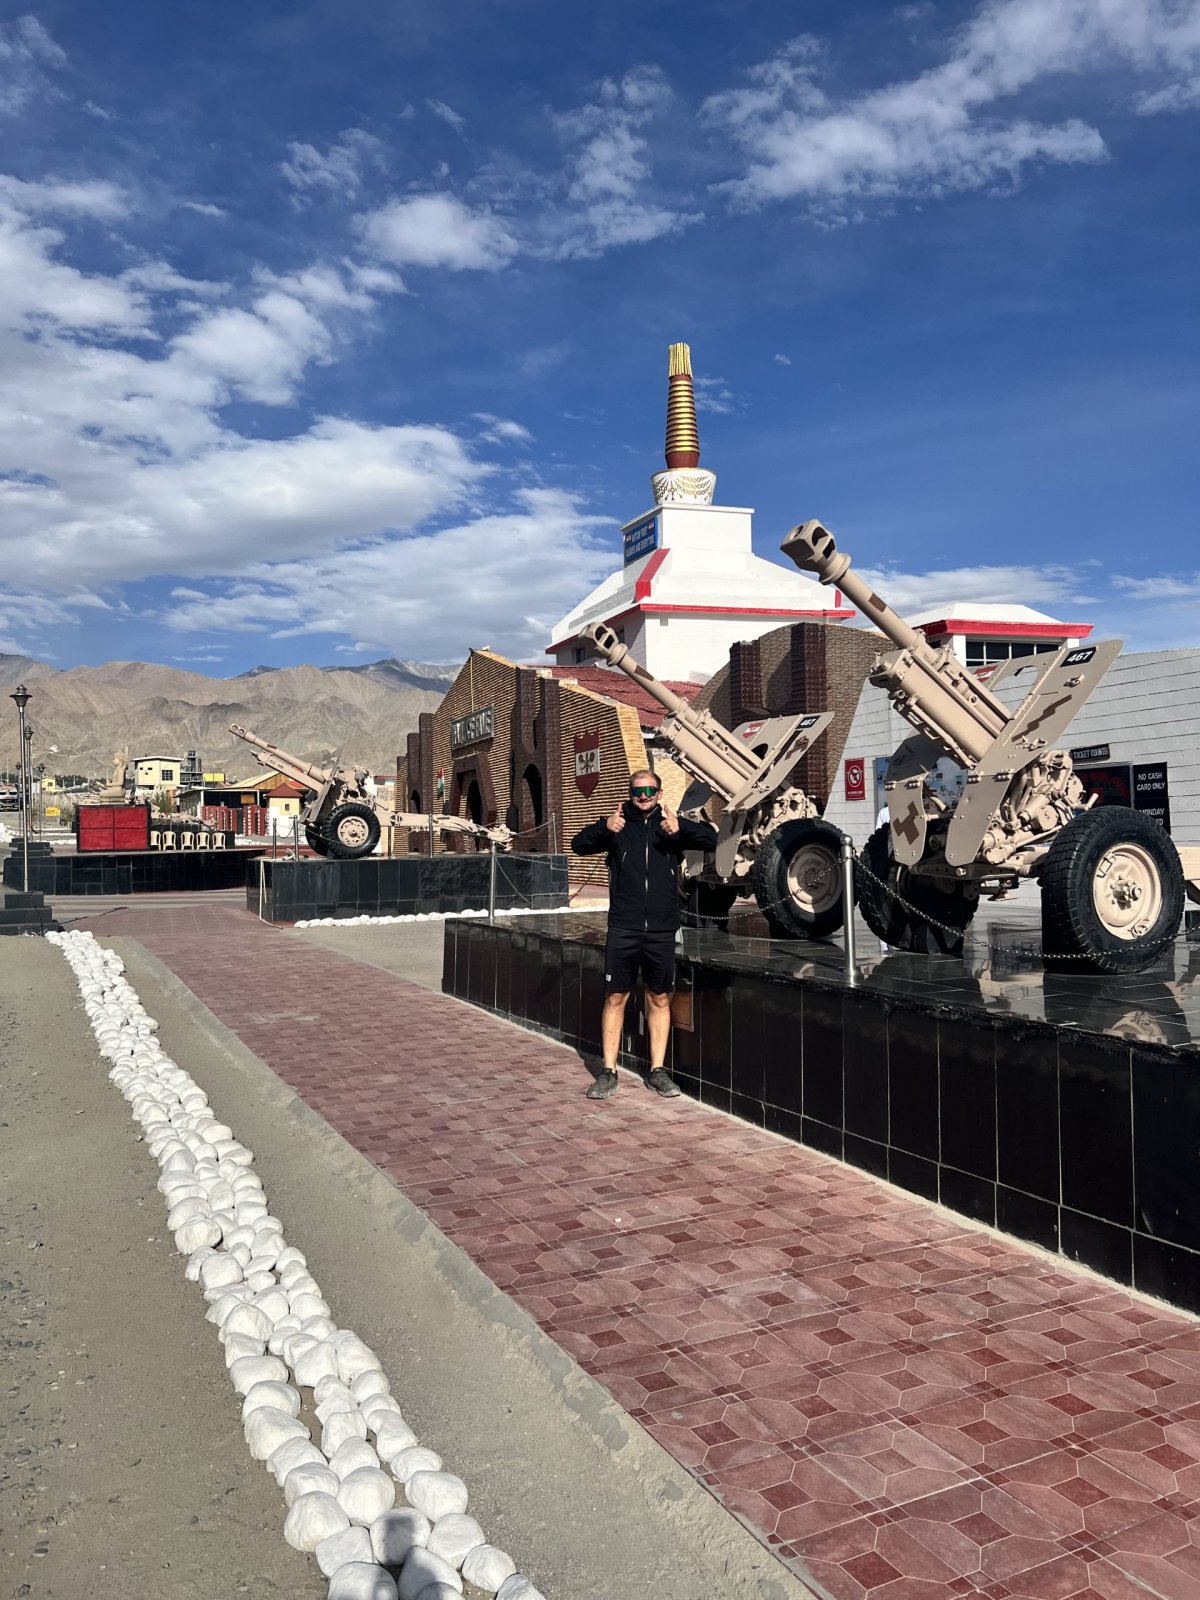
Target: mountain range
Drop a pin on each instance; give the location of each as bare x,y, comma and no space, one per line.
364,712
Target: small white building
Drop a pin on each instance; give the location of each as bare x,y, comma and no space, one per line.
984,635
691,585
157,772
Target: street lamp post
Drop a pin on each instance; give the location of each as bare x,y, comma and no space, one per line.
21,695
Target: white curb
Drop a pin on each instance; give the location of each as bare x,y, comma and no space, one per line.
443,916
280,1339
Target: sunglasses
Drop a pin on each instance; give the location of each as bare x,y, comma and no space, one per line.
642,791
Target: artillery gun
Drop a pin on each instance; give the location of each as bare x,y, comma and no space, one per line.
771,842
341,817
1112,881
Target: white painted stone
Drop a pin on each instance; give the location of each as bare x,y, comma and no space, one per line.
352,1455
310,1477
249,1370
453,1536
279,1395
309,1305
266,1429
184,1210
436,1493
341,1426
313,1517
196,1260
392,1434
368,1383
270,1299
238,1345
420,1569
395,1533
290,1257
407,1463
355,1358
295,1453
250,1321
361,1581
316,1360
486,1567
518,1588
352,1544
199,1231
366,1494
319,1328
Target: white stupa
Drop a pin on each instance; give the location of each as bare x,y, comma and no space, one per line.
691,585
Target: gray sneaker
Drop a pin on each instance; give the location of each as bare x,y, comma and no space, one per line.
661,1081
604,1087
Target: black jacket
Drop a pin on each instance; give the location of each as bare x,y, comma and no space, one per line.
643,866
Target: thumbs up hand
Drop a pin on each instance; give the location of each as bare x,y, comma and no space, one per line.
670,822
616,821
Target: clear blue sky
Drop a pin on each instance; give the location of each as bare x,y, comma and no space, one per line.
334,331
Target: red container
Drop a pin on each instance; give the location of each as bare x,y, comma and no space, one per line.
113,827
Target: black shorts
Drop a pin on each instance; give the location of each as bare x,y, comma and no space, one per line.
628,952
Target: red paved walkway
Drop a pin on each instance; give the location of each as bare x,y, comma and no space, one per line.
900,1406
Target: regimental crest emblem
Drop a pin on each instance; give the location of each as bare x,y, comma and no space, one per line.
587,761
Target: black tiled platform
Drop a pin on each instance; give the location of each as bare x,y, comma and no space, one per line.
1062,1109
133,871
378,886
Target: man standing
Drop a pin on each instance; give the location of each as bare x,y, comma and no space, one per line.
643,841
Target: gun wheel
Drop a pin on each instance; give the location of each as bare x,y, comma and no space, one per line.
316,843
884,892
797,879
706,905
1112,892
352,830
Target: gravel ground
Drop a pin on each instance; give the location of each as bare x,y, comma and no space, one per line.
123,1471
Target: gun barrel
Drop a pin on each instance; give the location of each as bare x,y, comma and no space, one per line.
606,644
813,548
282,760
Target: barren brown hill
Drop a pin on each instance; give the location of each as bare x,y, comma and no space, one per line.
88,712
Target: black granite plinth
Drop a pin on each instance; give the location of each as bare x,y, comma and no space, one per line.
26,913
1063,1109
109,872
380,886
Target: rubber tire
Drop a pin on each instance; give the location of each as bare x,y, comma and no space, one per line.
890,922
1071,926
319,845
768,879
351,808
710,901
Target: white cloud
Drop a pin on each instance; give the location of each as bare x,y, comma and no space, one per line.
203,208
610,190
714,394
437,230
447,114
502,430
337,170
952,127
27,57
104,202
36,288
784,361
527,567
1180,590
1039,586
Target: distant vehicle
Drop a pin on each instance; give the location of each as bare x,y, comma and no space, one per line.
10,800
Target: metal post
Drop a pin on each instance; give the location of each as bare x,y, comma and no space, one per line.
848,903
431,835
21,695
296,832
262,873
274,837
492,885
553,834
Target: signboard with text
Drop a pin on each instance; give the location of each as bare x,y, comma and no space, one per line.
856,778
641,538
1150,793
476,725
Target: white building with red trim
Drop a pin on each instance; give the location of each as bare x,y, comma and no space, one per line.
984,635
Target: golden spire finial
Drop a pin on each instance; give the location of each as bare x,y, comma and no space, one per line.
683,440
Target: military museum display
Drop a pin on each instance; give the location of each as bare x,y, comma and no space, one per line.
771,842
342,818
978,798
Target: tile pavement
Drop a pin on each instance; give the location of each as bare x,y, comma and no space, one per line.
900,1406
